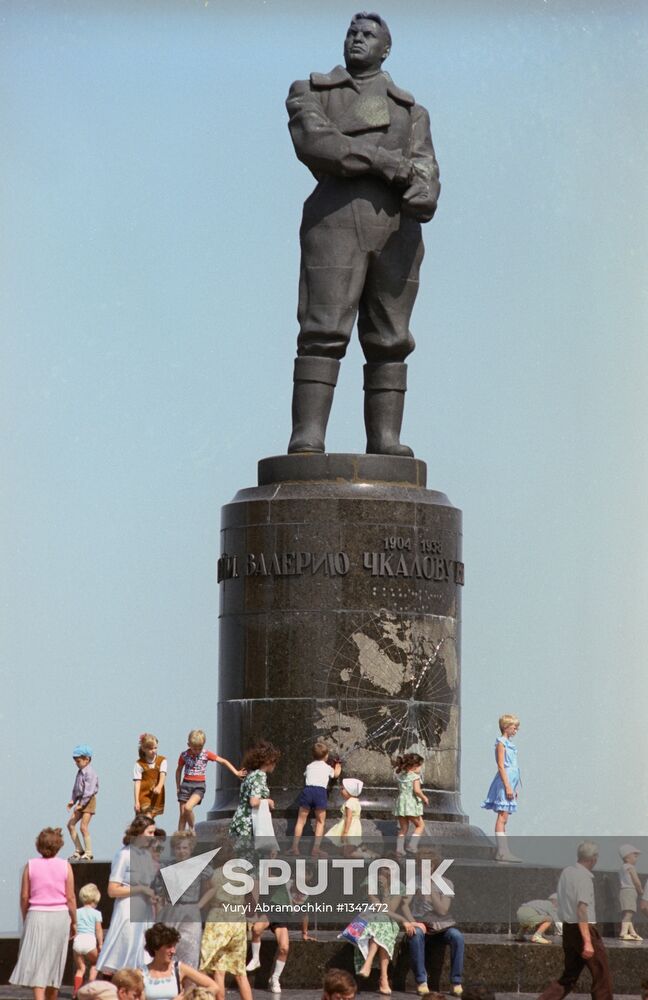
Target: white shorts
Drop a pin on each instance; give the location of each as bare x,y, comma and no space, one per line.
84,943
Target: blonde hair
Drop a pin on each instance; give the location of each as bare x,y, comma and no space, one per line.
89,894
180,836
196,737
147,741
128,979
199,993
508,720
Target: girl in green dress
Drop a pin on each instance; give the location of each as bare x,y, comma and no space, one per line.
410,801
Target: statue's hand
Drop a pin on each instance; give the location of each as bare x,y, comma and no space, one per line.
420,198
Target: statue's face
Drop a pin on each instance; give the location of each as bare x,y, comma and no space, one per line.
365,46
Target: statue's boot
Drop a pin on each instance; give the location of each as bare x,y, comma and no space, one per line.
314,384
385,386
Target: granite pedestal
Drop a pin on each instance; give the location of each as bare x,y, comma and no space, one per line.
340,609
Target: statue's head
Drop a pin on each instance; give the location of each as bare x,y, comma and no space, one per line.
367,43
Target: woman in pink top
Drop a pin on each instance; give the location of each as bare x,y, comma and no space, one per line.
48,908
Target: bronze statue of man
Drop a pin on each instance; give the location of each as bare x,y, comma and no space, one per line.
368,144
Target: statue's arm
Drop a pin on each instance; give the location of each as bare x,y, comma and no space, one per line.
420,198
325,150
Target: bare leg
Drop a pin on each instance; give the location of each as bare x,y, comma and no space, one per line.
71,825
383,961
219,978
302,816
281,955
368,962
419,830
500,822
188,810
259,928
403,827
283,943
244,989
85,833
320,823
304,931
79,972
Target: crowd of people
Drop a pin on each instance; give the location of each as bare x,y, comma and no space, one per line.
159,949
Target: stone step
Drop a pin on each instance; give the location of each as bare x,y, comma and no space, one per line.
493,891
22,993
494,959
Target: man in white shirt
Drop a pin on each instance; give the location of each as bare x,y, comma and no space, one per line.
582,943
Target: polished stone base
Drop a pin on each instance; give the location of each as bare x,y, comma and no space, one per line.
448,838
342,468
340,594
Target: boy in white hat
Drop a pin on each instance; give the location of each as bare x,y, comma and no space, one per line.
348,831
629,888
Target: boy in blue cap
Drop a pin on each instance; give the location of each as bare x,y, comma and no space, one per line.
83,803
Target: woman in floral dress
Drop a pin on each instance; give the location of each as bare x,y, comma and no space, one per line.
224,942
260,760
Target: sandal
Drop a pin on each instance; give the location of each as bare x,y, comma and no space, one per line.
75,857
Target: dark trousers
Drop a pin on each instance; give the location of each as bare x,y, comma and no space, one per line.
574,964
357,260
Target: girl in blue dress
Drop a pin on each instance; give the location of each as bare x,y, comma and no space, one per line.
503,792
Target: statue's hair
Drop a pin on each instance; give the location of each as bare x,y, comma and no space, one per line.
380,21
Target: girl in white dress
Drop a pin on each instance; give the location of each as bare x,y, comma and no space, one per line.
129,884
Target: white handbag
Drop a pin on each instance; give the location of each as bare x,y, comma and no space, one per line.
264,835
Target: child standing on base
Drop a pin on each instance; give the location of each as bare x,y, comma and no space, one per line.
503,792
83,803
191,786
410,801
348,831
314,796
149,775
89,936
629,888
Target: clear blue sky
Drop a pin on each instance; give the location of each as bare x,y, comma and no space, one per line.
150,208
